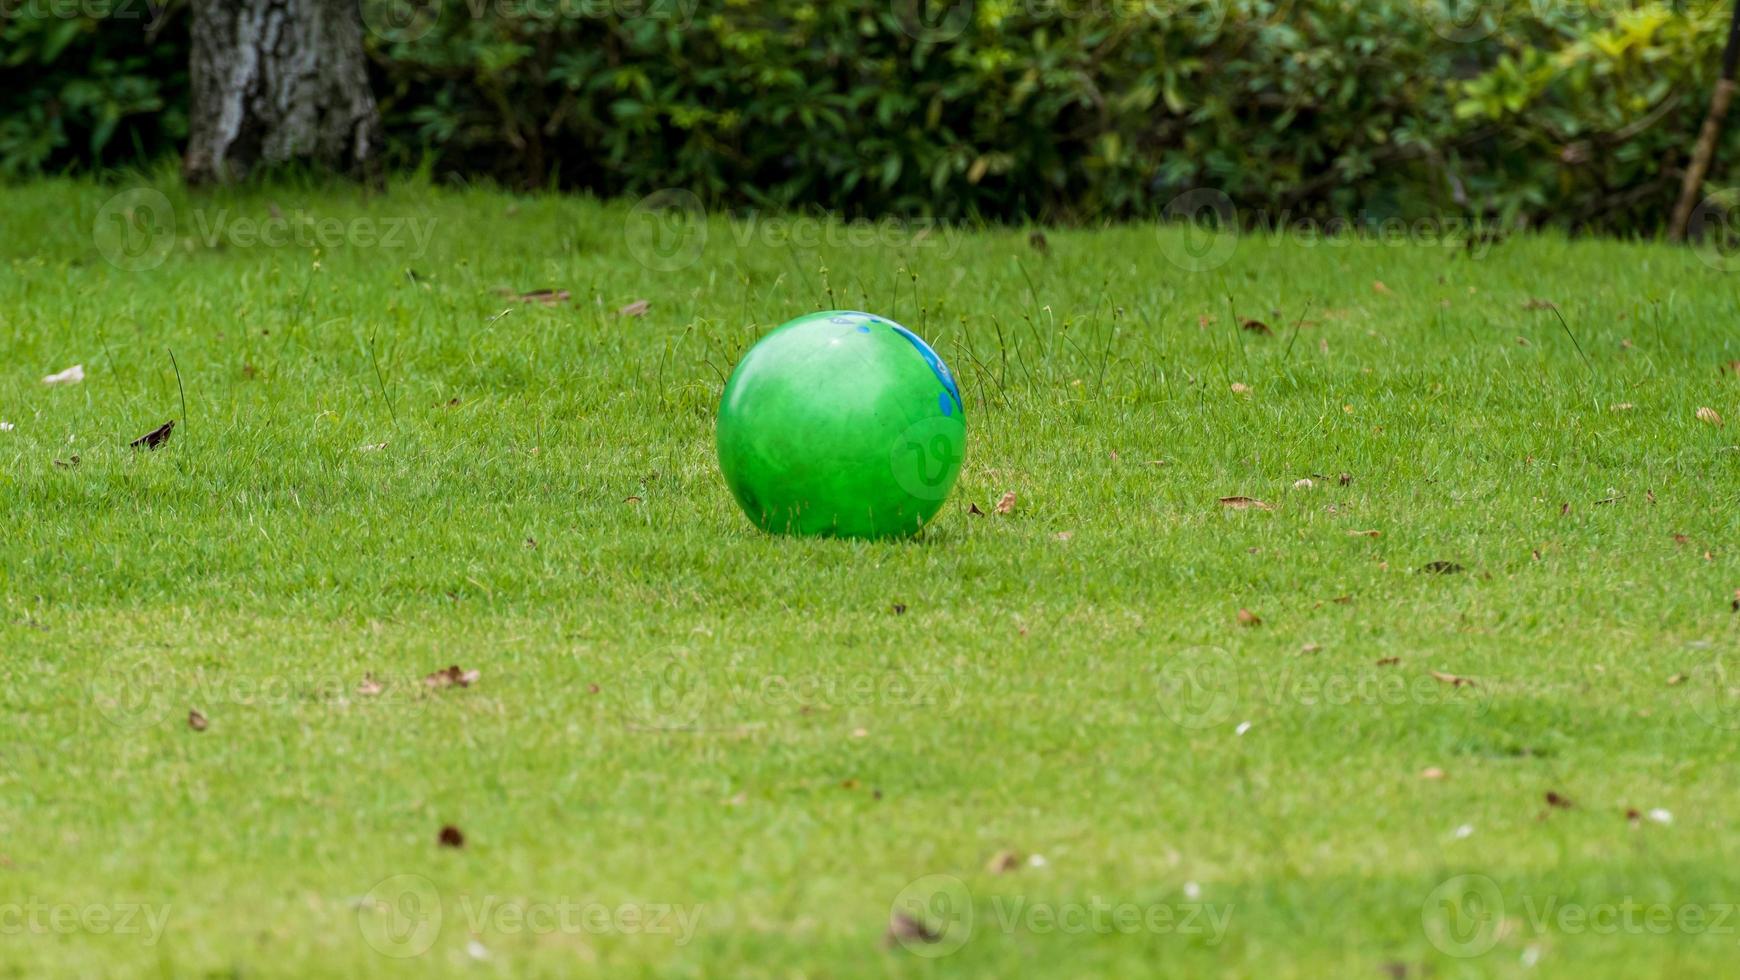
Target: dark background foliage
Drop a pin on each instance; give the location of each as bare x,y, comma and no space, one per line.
1578,113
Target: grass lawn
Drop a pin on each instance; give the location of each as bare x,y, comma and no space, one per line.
1218,740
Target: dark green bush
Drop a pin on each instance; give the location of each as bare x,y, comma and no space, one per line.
1572,112
89,83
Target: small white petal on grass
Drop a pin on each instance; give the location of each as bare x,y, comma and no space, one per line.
7,426
373,447
1244,726
1036,861
1661,816
71,376
1531,956
1465,831
1192,890
1240,388
1304,484
477,950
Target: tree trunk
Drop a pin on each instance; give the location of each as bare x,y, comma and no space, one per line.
276,81
1705,149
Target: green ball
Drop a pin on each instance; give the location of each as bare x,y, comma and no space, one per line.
841,424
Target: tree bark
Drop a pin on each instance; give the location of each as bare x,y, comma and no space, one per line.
1705,150
275,81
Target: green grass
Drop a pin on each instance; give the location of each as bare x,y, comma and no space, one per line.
677,712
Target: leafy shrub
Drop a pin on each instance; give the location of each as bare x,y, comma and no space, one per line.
89,83
1574,112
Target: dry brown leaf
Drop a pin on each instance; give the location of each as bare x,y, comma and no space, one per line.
1389,661
369,686
1377,286
1365,534
1257,327
1345,479
1240,388
636,308
1451,679
1003,862
973,510
1248,618
903,929
1065,535
1431,772
1554,799
1710,416
452,677
1676,680
1540,304
196,721
155,438
1243,503
548,297
1732,367
1006,503
450,836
